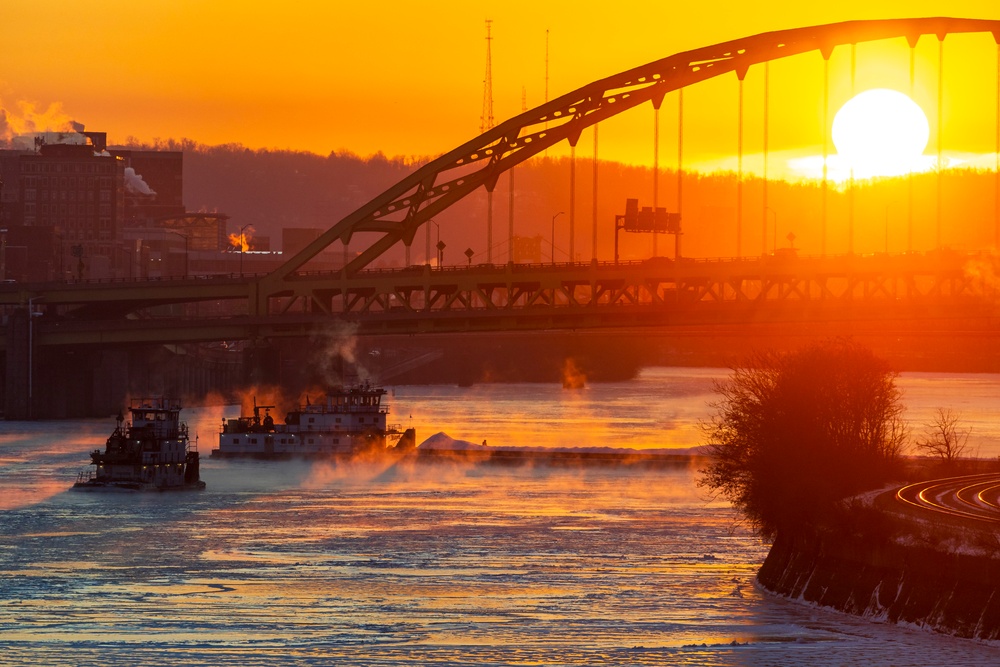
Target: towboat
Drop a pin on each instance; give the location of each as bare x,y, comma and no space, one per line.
149,452
345,422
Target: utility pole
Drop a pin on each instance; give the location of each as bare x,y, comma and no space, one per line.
486,124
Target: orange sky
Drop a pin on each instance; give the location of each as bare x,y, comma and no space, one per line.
407,78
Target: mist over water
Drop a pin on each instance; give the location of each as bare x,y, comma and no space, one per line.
449,564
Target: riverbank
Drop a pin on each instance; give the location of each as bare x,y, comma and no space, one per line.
891,568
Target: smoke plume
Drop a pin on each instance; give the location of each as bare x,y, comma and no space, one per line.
336,352
135,184
28,117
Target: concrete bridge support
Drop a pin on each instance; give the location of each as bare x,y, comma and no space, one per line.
16,385
74,382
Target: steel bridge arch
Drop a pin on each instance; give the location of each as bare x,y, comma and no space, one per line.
403,208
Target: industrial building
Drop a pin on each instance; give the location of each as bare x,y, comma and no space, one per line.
74,209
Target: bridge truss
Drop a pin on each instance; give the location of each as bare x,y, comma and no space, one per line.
399,212
292,299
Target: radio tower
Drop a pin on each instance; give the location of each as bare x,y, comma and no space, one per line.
486,121
485,124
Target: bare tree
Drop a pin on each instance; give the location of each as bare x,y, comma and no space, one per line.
795,433
944,438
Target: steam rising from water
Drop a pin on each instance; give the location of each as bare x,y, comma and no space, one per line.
987,271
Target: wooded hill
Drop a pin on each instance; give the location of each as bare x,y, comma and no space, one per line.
274,189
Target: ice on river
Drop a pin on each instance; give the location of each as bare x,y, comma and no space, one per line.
431,564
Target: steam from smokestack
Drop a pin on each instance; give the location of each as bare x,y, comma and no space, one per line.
28,118
5,130
134,182
337,348
77,127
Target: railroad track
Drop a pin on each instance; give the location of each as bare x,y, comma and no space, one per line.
969,497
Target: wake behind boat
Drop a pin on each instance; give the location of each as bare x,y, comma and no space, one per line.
347,421
151,452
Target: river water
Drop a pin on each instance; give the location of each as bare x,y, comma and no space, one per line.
431,564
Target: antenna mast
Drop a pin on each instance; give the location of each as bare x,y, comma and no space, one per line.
486,121
546,66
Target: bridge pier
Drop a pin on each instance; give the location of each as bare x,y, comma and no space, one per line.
75,382
261,365
16,385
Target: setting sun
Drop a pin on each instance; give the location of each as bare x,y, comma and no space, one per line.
880,132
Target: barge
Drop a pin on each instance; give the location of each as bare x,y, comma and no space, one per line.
345,422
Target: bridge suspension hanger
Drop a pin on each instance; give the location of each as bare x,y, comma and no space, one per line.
741,74
594,221
826,51
767,94
680,170
572,197
940,134
657,101
850,187
996,173
911,40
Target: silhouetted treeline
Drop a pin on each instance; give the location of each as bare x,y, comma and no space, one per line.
273,189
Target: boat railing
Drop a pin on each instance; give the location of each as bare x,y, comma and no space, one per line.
85,476
336,409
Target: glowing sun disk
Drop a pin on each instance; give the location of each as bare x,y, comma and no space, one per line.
880,132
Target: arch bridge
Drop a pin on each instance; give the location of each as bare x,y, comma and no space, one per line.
294,300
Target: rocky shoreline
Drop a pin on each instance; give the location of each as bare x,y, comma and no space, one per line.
883,579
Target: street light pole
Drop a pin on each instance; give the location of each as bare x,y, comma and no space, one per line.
552,238
427,250
887,228
3,248
186,264
774,242
427,243
31,361
440,249
241,247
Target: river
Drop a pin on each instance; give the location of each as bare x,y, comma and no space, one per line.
431,564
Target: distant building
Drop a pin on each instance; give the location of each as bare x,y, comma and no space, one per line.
10,189
528,249
27,254
294,239
174,246
95,201
154,184
79,192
